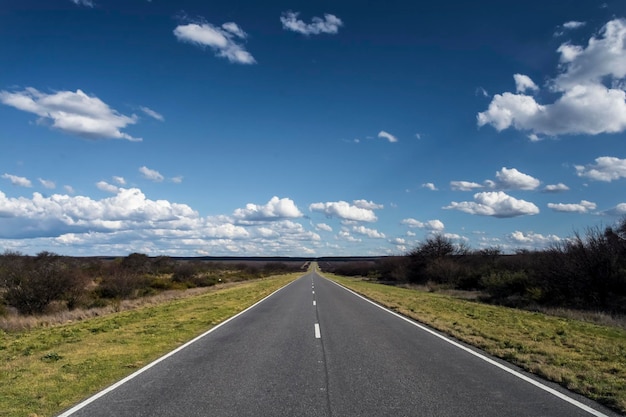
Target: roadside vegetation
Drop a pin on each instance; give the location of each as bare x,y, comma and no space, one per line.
586,272
47,369
49,288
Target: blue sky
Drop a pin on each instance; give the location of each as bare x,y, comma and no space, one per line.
298,128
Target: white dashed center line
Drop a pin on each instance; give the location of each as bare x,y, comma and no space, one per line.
318,334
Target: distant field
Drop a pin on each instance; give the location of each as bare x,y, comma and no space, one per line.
586,358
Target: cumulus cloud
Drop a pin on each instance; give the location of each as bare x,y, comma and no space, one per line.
590,86
18,181
345,235
434,225
532,240
371,233
275,209
524,83
344,211
618,210
131,222
583,207
223,40
72,112
151,174
465,185
329,24
59,214
506,179
385,135
430,186
324,227
152,113
495,204
606,168
555,188
571,25
369,205
105,186
119,180
512,179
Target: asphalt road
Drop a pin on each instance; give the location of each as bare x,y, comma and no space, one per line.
316,349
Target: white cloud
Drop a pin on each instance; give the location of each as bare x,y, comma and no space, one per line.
606,168
324,227
524,83
398,241
512,179
435,225
583,207
371,233
369,205
72,112
385,135
105,186
618,210
18,181
532,240
59,214
344,210
590,84
506,179
496,204
223,40
464,186
571,25
47,183
69,189
119,180
330,24
151,174
429,186
345,235
555,188
152,113
177,180
275,209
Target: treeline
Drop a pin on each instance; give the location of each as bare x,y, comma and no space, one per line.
586,271
49,282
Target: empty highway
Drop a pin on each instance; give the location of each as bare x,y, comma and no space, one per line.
316,349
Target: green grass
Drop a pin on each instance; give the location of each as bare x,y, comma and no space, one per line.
586,358
44,371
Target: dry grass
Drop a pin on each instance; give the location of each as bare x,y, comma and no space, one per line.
14,322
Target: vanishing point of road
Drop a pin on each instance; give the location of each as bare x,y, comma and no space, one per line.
314,348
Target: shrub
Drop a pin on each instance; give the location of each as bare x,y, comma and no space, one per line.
31,284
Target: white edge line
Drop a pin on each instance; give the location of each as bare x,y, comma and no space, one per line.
318,334
162,358
484,358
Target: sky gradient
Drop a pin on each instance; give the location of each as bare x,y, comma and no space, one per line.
308,128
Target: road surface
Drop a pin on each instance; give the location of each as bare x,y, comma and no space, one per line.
316,349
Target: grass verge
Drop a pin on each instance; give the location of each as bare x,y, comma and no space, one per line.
584,357
44,371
